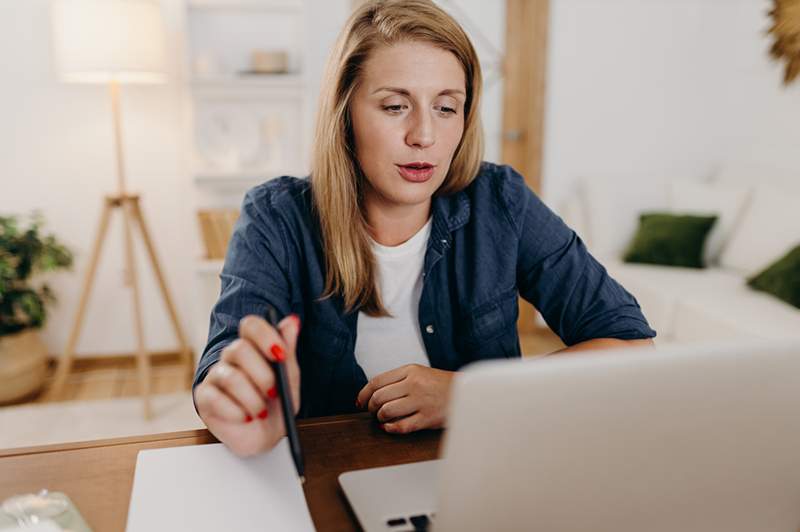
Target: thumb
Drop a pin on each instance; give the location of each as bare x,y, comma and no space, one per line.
289,328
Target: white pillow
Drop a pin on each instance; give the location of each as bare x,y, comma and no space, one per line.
574,215
749,173
724,200
612,207
769,228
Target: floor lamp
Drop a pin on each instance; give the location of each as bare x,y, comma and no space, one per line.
115,42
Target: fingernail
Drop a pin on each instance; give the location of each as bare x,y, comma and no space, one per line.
296,321
272,393
263,414
382,425
248,418
277,352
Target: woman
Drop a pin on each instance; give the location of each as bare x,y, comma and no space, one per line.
402,255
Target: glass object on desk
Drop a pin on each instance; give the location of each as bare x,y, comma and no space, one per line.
39,508
33,508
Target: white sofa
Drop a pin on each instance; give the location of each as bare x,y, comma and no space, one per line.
759,222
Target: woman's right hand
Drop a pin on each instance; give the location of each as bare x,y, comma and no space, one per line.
238,399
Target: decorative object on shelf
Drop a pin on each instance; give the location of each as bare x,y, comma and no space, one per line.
114,42
216,228
24,253
786,31
268,62
232,138
205,67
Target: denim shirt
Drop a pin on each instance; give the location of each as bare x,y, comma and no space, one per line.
489,243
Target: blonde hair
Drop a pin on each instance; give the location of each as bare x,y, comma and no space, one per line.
336,177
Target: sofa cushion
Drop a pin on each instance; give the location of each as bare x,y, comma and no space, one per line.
781,279
670,239
685,304
725,200
612,206
768,228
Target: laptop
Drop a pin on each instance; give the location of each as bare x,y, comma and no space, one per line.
690,438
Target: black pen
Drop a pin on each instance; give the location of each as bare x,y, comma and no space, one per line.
285,394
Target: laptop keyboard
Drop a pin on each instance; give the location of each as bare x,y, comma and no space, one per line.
416,522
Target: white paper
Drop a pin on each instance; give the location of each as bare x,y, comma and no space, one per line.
208,488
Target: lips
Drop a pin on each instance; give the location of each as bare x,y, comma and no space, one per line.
416,171
417,165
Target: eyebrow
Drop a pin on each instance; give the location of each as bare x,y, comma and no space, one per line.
405,92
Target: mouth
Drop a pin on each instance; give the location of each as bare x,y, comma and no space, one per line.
416,172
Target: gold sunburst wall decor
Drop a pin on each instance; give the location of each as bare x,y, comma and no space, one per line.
785,30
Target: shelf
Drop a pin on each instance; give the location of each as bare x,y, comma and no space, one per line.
272,5
259,81
230,181
209,266
239,181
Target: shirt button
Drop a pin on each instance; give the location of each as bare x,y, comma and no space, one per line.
429,329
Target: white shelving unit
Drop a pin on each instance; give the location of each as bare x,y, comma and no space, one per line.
243,128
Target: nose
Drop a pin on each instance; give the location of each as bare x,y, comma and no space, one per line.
420,133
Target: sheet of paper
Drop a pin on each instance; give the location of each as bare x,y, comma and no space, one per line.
208,488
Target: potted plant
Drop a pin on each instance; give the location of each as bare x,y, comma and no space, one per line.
24,253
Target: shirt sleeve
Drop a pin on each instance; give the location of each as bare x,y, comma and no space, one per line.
255,276
577,297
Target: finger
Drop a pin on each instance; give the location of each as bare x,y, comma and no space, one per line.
239,388
264,337
386,394
398,408
211,399
242,355
405,425
379,381
289,328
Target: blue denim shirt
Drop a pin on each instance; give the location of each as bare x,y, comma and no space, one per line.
489,243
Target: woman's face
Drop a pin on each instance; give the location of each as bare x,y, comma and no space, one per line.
408,108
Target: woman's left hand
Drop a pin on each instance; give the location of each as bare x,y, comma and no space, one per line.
408,398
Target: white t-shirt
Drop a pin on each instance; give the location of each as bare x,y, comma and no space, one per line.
383,344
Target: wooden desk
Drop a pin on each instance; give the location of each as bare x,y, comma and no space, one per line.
98,475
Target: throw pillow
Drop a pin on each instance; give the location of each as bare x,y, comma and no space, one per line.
670,239
781,279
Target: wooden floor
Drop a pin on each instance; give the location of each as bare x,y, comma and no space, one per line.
115,377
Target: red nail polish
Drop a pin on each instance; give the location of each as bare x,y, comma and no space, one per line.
277,352
296,321
248,418
272,393
358,405
263,414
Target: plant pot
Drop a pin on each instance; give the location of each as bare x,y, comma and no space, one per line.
23,365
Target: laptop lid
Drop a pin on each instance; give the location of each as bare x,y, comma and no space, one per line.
685,438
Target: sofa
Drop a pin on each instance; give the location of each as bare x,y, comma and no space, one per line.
758,211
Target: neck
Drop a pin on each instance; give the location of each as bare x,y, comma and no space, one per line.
393,225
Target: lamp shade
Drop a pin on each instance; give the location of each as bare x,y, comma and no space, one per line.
97,41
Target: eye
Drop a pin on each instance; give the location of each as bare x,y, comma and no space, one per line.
447,110
394,108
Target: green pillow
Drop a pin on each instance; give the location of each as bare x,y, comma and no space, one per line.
670,239
781,279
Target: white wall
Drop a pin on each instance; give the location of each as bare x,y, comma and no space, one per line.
56,155
663,88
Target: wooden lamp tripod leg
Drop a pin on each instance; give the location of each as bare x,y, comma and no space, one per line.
185,350
142,358
65,362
